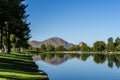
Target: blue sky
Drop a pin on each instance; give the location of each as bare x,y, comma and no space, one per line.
74,20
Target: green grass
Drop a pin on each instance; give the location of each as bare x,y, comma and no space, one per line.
16,66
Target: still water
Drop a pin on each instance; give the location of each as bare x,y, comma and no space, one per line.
79,66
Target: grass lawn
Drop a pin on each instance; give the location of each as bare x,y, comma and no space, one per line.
16,66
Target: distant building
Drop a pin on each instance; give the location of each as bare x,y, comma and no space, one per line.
81,43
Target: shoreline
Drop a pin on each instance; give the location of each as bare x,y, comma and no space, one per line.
78,52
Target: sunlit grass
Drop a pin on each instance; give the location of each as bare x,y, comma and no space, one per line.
3,79
15,75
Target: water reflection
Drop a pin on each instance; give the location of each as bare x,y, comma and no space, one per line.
59,58
79,66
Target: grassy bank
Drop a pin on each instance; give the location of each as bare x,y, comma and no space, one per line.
17,66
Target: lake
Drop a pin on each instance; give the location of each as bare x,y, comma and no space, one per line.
79,66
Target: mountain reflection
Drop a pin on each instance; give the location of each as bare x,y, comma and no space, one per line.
59,58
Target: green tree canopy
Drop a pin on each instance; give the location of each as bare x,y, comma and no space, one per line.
50,47
110,46
117,44
13,21
72,48
59,48
84,47
99,46
43,47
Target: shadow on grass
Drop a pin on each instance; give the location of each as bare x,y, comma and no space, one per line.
6,63
21,64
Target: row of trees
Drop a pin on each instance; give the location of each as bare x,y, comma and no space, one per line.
48,48
110,46
14,29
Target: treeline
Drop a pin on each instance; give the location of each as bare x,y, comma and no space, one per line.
111,45
99,46
14,28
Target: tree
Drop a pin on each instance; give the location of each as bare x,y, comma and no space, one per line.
84,47
117,48
77,48
13,21
50,47
72,48
99,46
110,46
59,48
43,47
117,44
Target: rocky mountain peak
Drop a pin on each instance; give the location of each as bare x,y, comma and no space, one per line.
55,41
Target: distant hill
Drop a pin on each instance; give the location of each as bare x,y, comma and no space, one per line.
34,43
55,41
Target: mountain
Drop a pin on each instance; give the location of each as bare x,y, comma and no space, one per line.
34,43
55,41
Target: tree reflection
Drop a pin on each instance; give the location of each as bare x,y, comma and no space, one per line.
74,55
84,56
99,58
114,58
110,61
59,58
43,56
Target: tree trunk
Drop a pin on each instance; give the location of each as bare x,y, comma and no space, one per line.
1,41
8,37
19,42
8,43
4,48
